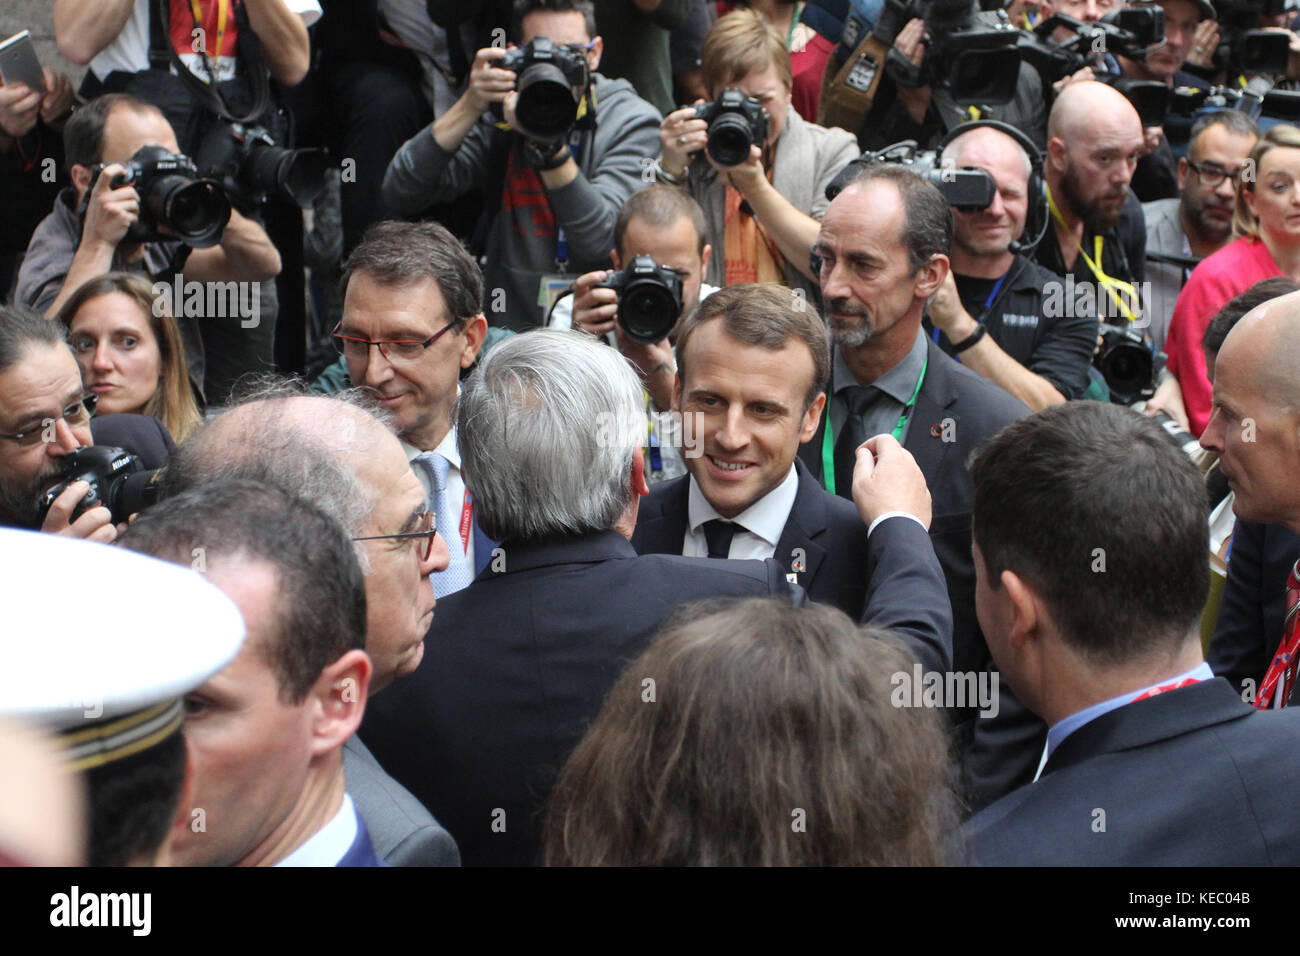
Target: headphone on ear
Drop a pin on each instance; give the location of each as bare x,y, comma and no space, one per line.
1038,216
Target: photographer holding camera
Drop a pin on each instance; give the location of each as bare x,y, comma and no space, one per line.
573,149
755,166
993,308
666,227
93,227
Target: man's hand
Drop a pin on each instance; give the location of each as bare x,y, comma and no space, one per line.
910,42
947,312
58,96
1204,43
681,134
886,478
95,525
1168,399
1151,139
111,212
488,84
1084,75
655,365
20,105
594,310
748,176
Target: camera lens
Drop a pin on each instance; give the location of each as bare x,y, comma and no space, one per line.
547,108
197,209
729,139
647,311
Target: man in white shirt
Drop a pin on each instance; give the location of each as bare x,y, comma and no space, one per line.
412,320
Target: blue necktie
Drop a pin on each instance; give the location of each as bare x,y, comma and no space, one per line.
457,575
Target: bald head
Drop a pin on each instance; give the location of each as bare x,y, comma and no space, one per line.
972,147
1087,110
1265,347
323,449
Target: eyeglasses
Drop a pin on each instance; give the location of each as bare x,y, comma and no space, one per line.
1211,175
428,527
78,413
405,350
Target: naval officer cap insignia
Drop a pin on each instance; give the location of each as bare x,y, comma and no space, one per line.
100,644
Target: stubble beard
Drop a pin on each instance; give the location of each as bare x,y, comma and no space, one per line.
850,337
1095,217
23,505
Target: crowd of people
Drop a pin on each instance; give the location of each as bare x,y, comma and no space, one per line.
655,432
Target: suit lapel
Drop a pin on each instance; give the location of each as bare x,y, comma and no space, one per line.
661,525
483,548
933,418
807,521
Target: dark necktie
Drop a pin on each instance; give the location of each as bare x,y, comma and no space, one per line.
1279,680
858,398
718,534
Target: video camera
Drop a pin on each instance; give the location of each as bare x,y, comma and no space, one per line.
649,299
970,53
1187,103
548,74
172,194
736,122
118,481
249,164
1243,47
966,189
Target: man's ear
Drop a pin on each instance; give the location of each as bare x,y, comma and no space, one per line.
704,259
639,486
338,700
1184,168
929,278
812,417
593,55
475,333
615,258
81,177
181,819
1056,155
1027,612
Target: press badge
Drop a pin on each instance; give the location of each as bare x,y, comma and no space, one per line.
552,286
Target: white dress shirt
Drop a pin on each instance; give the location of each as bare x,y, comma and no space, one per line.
760,525
330,843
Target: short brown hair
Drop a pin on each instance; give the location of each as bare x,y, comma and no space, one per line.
763,714
660,206
173,400
1244,223
766,314
737,45
403,253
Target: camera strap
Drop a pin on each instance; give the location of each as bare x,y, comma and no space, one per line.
1123,294
252,65
828,441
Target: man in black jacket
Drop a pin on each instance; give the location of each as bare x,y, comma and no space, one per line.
518,663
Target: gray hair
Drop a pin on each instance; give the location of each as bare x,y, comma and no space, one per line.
548,425
283,451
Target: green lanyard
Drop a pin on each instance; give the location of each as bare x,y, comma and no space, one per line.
828,443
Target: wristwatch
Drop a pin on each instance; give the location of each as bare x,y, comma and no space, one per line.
969,340
544,157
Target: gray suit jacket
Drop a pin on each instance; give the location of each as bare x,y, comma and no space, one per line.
402,831
1164,234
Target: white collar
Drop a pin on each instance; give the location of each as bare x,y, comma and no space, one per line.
765,518
328,845
448,448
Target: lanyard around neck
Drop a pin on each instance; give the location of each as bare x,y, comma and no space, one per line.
1121,293
828,443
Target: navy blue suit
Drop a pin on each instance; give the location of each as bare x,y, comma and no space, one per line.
1190,777
825,546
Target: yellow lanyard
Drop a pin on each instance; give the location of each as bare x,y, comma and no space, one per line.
1117,289
223,8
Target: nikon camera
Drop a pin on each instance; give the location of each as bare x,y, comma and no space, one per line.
118,481
547,75
649,299
736,122
172,194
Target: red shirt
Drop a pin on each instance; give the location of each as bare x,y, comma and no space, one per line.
1227,273
807,67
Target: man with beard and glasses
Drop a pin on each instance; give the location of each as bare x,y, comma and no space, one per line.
1199,222
1098,234
44,414
883,250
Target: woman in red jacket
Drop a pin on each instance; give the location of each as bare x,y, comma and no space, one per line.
1267,220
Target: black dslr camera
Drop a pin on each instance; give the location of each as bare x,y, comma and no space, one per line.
736,122
1243,47
172,194
117,480
1126,363
548,74
249,164
649,299
969,190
